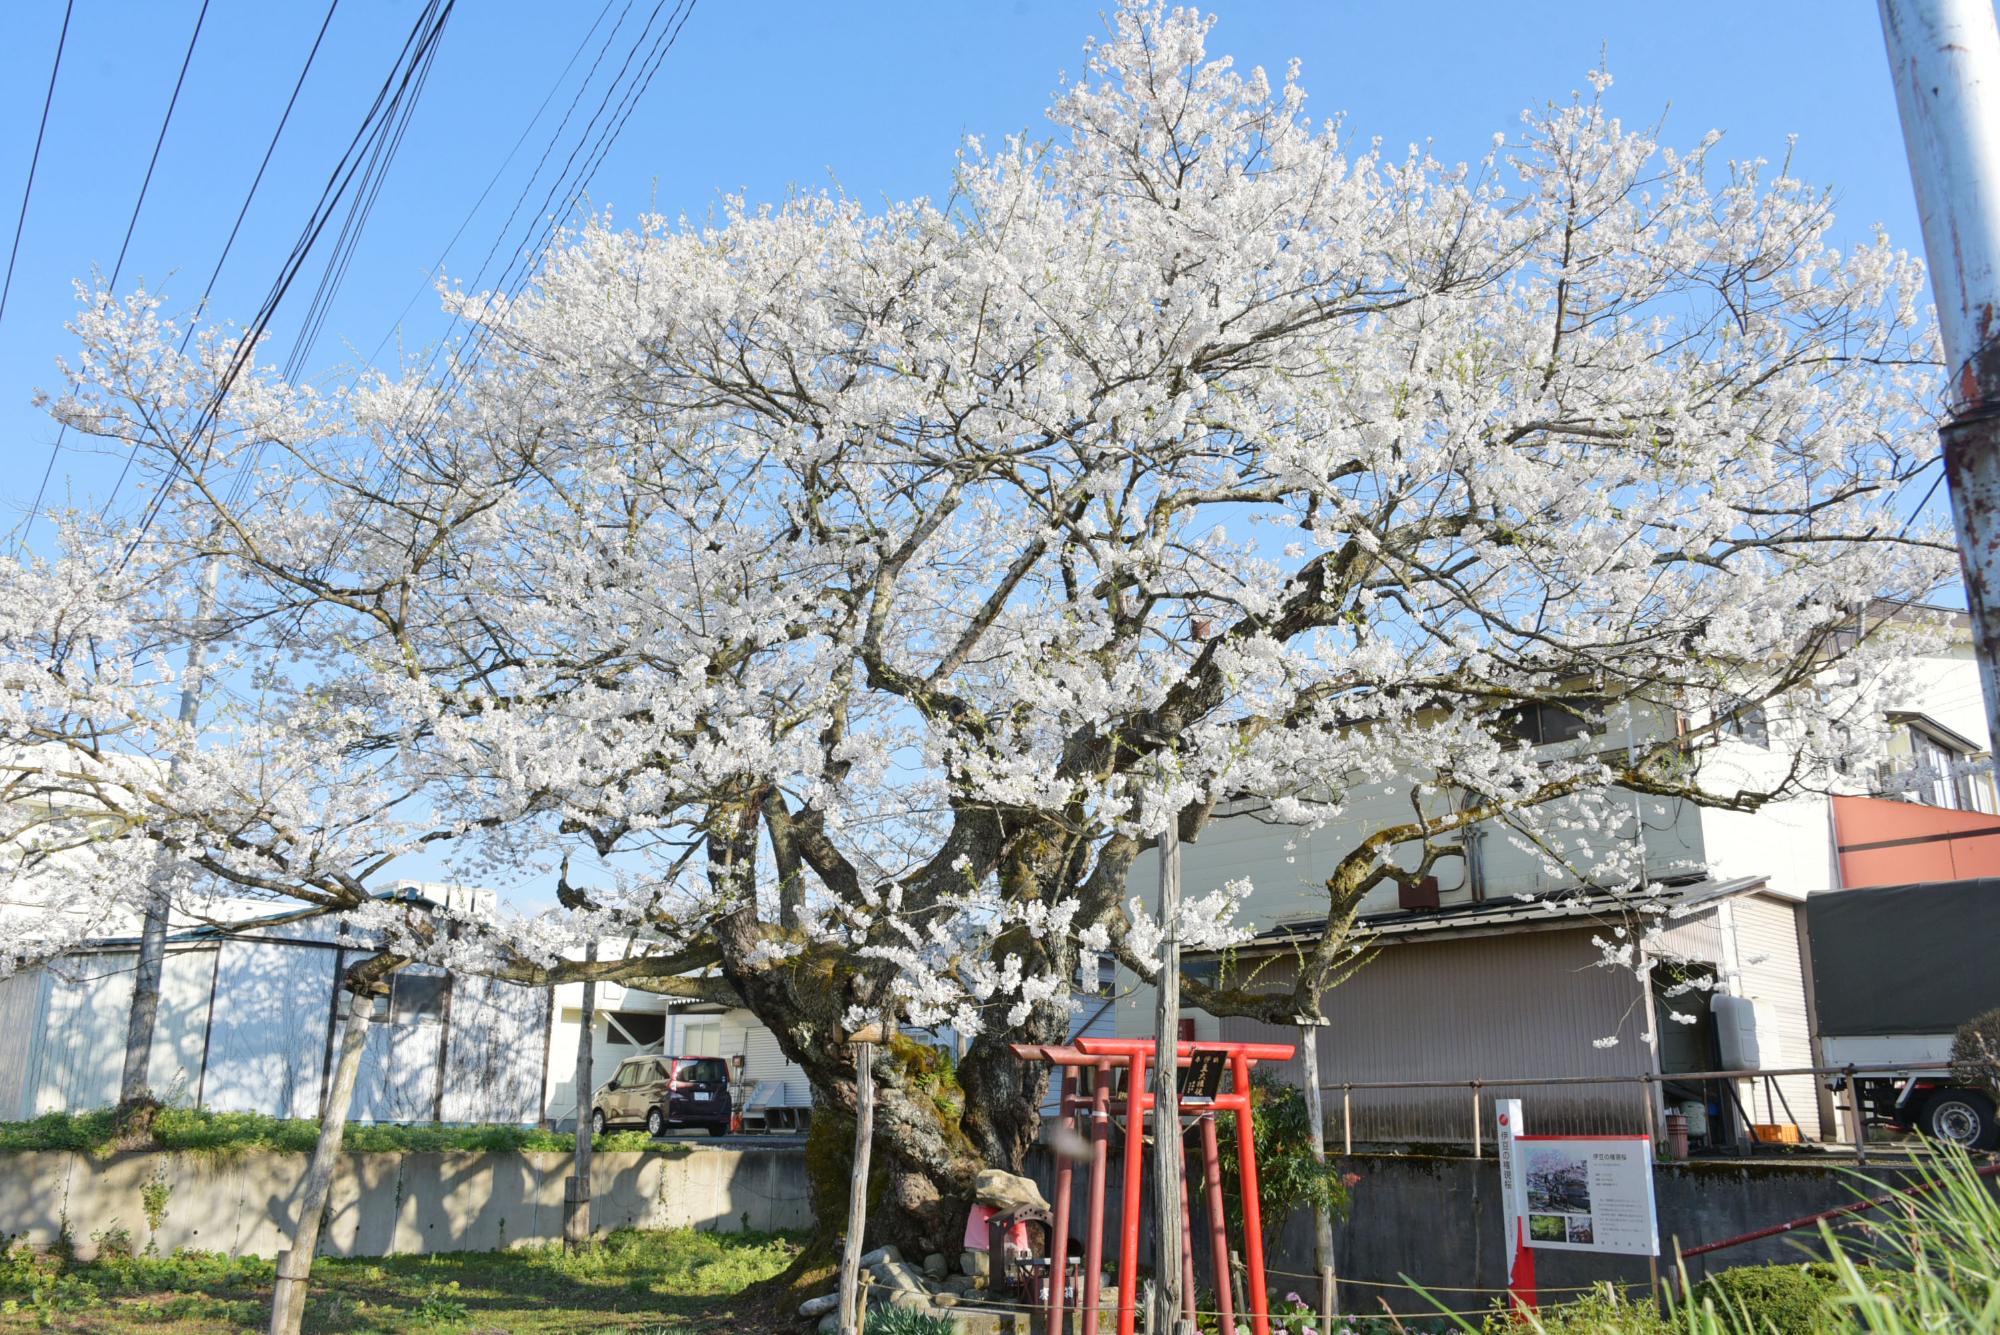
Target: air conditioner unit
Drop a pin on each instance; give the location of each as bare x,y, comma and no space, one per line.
1736,1032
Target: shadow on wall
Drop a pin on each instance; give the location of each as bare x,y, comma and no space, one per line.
390,1203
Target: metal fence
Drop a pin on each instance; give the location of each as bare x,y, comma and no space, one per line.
1375,1112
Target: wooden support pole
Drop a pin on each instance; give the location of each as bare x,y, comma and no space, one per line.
288,1296
1329,1291
857,1188
1169,1187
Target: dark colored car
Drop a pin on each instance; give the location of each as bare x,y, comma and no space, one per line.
662,1092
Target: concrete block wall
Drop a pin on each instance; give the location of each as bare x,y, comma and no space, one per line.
386,1204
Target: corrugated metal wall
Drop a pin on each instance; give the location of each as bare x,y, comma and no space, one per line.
267,1047
1767,945
494,1071
1524,1004
21,1000
82,1045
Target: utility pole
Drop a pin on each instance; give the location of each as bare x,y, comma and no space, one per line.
145,1010
1944,56
1168,1164
576,1217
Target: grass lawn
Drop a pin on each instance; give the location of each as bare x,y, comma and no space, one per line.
197,1130
673,1280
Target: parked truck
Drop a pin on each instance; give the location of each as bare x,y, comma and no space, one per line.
1895,971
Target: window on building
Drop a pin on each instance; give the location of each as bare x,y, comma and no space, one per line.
1546,722
1746,721
636,1029
416,998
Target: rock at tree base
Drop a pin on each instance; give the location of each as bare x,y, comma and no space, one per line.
1004,1190
896,1275
821,1305
936,1266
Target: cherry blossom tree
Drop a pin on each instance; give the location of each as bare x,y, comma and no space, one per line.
858,591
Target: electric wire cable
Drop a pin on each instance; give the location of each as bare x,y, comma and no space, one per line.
541,234
553,220
465,222
379,122
229,242
35,159
131,225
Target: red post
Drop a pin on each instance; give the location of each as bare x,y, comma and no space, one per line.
1218,1221
1059,1244
1253,1217
1103,1056
1100,1154
1128,1222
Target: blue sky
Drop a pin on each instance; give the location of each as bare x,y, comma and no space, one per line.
764,95
768,95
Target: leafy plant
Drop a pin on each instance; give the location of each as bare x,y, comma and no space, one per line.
1604,1309
1784,1299
1289,1178
1975,1053
441,1307
153,1199
906,1321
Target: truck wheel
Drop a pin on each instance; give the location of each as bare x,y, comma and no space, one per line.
1962,1116
597,1121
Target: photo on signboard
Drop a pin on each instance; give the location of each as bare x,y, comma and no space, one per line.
1579,1229
1547,1228
1558,1181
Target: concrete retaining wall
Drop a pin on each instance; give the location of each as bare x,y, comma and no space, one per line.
382,1204
1437,1220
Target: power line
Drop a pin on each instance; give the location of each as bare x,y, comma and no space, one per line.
532,252
131,225
378,125
179,81
48,99
465,222
230,242
539,236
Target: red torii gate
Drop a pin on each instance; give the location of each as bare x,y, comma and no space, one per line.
1135,1055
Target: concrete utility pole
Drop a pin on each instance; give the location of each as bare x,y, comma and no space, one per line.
576,1217
1944,56
145,1010
1169,1189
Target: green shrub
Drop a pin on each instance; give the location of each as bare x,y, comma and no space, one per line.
1288,1176
1784,1299
1601,1311
906,1321
1975,1053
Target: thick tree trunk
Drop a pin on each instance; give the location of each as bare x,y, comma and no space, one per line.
931,1140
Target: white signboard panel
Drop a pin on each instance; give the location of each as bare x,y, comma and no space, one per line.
1507,1117
1588,1193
